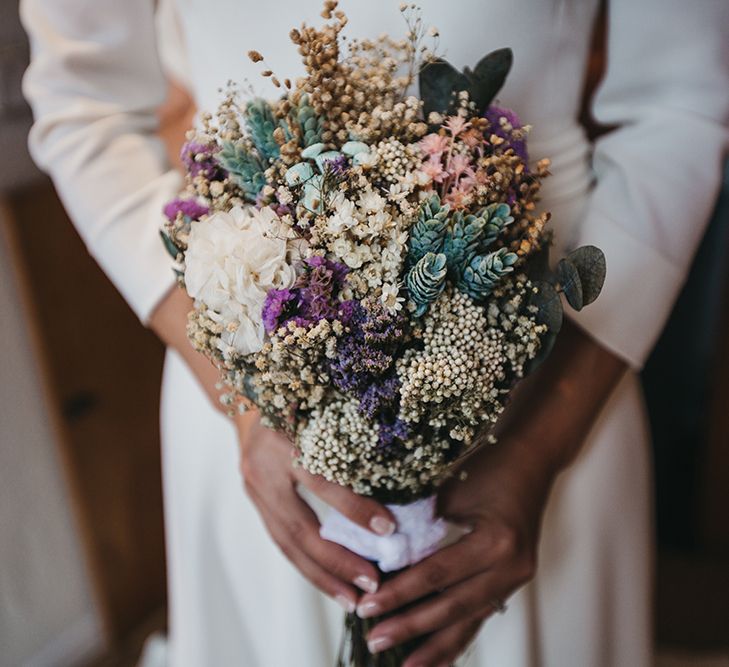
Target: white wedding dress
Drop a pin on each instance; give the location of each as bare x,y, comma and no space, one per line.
643,196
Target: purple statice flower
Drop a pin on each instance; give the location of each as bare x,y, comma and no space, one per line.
337,166
338,270
379,396
314,297
345,311
494,114
363,366
392,432
279,307
282,209
199,159
188,207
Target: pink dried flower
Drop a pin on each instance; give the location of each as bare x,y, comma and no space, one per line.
460,164
434,144
456,125
434,169
460,196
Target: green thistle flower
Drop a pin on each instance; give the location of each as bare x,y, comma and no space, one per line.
484,272
244,168
261,124
496,216
429,230
426,280
309,123
462,242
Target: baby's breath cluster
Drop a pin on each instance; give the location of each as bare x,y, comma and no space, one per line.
291,375
510,312
454,380
338,443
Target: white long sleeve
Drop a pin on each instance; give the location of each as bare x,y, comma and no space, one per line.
94,83
658,174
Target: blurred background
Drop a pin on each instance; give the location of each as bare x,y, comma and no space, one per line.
82,578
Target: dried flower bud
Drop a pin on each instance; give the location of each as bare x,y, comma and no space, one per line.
255,56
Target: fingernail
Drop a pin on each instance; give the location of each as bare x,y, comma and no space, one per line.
366,584
368,609
348,605
382,526
379,644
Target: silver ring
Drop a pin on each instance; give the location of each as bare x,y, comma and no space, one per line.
498,605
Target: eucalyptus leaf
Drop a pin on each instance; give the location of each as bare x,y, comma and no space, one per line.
487,78
591,267
249,388
548,306
171,248
438,81
537,267
569,280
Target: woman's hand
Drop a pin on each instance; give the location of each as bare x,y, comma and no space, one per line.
270,479
501,502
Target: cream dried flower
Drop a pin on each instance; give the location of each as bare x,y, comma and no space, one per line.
233,259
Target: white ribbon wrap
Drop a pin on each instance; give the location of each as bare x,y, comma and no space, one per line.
419,534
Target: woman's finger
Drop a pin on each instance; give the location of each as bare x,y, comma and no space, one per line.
466,600
445,646
365,512
330,585
302,525
447,567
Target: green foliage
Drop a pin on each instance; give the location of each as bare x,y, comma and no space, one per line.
309,123
461,242
579,276
426,280
591,267
429,231
483,273
462,239
488,77
569,278
440,81
245,168
545,306
537,268
261,124
170,245
496,216
298,174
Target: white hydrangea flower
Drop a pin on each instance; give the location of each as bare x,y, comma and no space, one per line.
232,261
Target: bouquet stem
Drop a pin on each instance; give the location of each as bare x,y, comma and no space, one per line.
354,652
